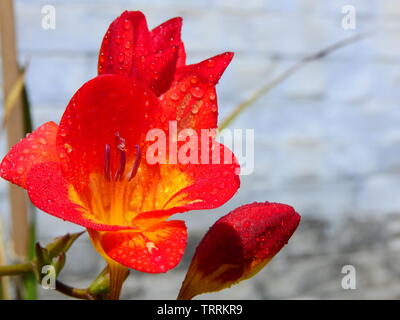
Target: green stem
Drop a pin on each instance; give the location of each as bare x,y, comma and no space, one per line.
73,292
16,269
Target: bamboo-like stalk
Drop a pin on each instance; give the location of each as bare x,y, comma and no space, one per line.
20,223
4,281
16,131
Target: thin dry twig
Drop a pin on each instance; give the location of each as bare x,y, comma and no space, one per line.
286,74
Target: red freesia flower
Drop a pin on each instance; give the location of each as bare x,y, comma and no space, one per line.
92,170
238,246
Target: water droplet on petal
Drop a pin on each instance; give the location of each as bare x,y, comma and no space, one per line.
194,80
128,44
68,147
127,24
197,92
195,108
174,97
183,88
210,63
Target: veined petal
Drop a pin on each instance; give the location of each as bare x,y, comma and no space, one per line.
168,35
192,102
238,246
210,69
105,109
156,70
37,147
191,98
50,192
130,49
155,250
209,185
126,39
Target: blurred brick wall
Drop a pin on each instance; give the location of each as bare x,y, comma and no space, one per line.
327,141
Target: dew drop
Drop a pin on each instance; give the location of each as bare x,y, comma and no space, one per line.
102,57
174,97
210,63
128,44
68,147
194,80
197,92
127,24
183,88
195,108
43,141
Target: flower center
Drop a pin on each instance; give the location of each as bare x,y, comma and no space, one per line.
119,174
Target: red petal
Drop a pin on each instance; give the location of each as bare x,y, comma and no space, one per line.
104,107
181,55
155,250
126,39
167,34
156,70
210,69
37,147
191,101
213,185
238,245
150,57
50,192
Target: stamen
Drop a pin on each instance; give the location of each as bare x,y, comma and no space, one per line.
122,159
136,163
107,161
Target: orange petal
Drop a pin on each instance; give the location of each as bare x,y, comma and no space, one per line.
50,192
155,250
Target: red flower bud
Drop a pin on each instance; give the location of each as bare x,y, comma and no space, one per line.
239,245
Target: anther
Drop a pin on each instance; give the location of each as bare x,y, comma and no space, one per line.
136,162
107,161
122,158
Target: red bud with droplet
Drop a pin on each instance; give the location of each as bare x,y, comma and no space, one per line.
238,246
